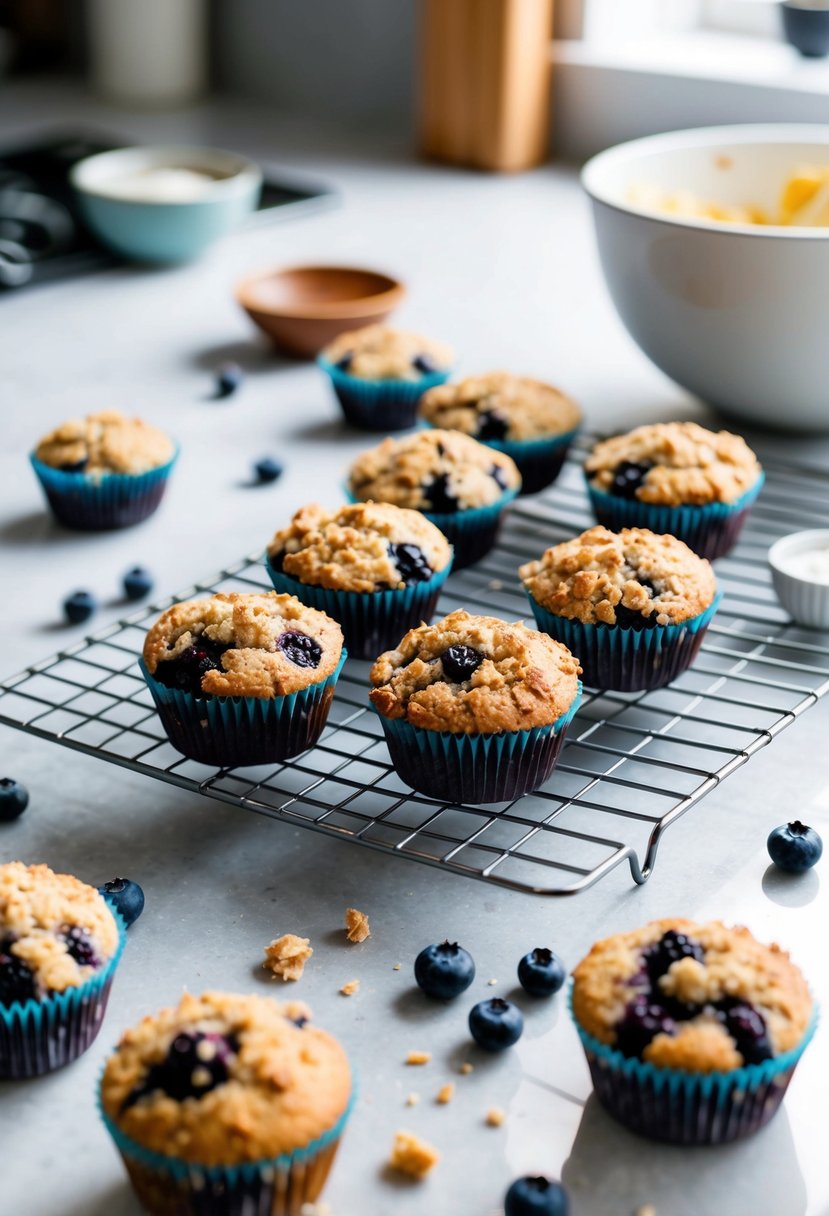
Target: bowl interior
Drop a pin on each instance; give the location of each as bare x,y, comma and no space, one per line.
318,291
102,174
794,543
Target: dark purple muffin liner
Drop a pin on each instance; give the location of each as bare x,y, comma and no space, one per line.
380,405
117,500
686,1107
37,1037
628,660
476,768
228,732
371,621
711,531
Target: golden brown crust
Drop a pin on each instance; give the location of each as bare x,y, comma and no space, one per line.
691,465
35,904
106,443
400,471
529,408
287,1084
587,578
356,925
378,352
735,965
412,1156
287,955
525,679
252,626
348,549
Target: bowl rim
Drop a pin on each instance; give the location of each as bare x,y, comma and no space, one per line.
771,134
797,542
246,175
332,310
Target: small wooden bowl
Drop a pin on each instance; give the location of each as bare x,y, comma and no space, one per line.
303,308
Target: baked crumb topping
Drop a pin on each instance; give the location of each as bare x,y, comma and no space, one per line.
356,925
379,352
418,1057
445,1094
499,405
466,1068
349,988
105,443
412,1156
495,1116
286,956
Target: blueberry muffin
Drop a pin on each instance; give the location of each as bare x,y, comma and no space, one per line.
532,422
104,471
458,483
226,1104
243,679
475,709
376,568
379,374
632,605
691,1030
676,477
59,947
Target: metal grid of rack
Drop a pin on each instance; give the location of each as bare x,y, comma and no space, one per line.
631,766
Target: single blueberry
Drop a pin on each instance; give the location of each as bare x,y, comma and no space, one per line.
299,648
411,563
794,847
536,1196
277,560
632,618
195,1063
628,477
126,897
137,583
495,1024
444,971
14,798
461,662
79,607
229,378
747,1027
670,948
345,362
77,466
541,973
499,477
424,363
186,670
79,945
491,426
439,496
17,981
268,469
643,1019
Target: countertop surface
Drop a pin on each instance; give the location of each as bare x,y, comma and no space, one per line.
504,269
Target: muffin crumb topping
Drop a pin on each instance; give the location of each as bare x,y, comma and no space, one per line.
378,352
286,956
412,1156
356,925
500,406
105,443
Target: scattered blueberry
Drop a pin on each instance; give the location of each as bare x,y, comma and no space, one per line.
79,945
444,971
536,1197
439,497
495,1024
794,847
670,948
137,583
229,378
461,662
268,469
17,982
747,1027
185,671
643,1020
541,973
126,897
411,563
345,363
14,798
79,607
424,363
299,648
194,1064
491,426
628,477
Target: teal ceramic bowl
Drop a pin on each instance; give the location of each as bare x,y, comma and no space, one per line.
164,204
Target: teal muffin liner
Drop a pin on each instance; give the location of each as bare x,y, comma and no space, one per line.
227,732
273,1186
371,621
476,768
116,500
380,405
711,531
37,1037
685,1107
627,660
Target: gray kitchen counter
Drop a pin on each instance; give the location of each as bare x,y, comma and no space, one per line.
505,269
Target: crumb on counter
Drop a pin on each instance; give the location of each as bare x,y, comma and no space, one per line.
647,1209
396,967
445,1094
349,988
356,925
492,983
495,1117
412,1156
466,1068
286,956
412,1099
418,1057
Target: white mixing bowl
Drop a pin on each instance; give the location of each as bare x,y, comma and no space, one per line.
736,313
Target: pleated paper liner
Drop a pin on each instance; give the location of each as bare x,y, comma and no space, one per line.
380,405
115,500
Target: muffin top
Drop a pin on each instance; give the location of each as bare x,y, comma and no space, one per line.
223,1079
367,546
700,998
475,675
634,579
105,443
673,464
238,645
379,352
499,405
55,932
433,470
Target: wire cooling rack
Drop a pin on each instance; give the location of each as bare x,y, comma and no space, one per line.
631,766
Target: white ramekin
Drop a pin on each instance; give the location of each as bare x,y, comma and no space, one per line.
807,601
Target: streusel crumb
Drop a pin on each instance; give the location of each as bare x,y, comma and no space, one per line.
445,1094
356,925
412,1099
466,1068
495,1117
412,1156
501,405
349,988
418,1057
378,352
286,956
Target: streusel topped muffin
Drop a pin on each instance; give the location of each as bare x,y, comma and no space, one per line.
695,997
500,406
379,352
56,932
105,443
367,546
633,578
223,1079
435,471
474,675
238,645
674,464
